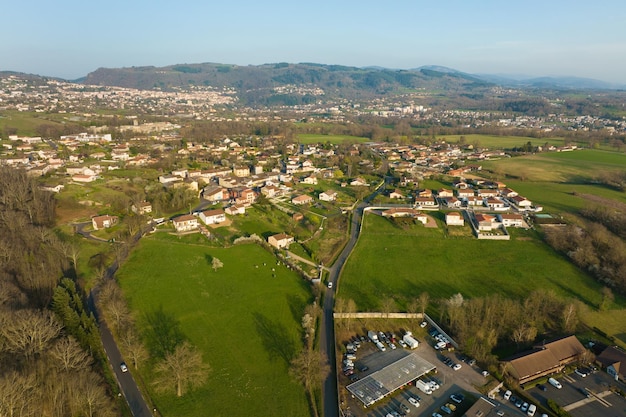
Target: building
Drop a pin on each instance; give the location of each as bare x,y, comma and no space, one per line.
185,223
328,195
511,219
236,209
281,240
396,194
485,222
613,359
213,216
454,218
406,212
302,199
141,208
103,222
545,359
214,193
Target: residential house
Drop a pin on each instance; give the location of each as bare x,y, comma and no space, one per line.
473,200
169,179
508,193
141,208
425,202
485,222
246,197
425,193
213,216
84,178
487,192
521,202
494,203
236,209
464,193
185,223
302,199
545,359
406,212
281,240
613,359
396,194
241,171
270,191
103,222
443,192
359,182
329,195
311,179
182,173
454,218
214,193
511,219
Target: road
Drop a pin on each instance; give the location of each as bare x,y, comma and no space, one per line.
327,329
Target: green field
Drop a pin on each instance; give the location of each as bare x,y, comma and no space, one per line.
500,142
309,138
244,320
397,263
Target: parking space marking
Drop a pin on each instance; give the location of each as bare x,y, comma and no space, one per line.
598,397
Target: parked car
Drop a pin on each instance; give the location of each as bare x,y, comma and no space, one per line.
507,394
414,401
581,372
451,406
457,398
456,366
542,387
423,324
446,409
524,407
556,384
404,408
123,367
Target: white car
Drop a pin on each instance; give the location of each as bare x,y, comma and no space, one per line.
414,401
456,366
123,367
423,324
330,284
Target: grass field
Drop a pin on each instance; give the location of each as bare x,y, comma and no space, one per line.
245,321
390,262
501,142
308,138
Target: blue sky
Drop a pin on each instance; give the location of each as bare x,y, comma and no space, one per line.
70,38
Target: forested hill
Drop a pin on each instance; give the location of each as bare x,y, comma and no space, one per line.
258,84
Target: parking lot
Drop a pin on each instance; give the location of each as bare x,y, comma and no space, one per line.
450,381
584,396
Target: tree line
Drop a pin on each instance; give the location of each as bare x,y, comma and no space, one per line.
49,366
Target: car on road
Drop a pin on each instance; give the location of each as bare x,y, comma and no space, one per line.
330,284
123,367
414,401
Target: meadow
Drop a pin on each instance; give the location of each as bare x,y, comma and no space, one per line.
244,317
500,142
401,264
310,138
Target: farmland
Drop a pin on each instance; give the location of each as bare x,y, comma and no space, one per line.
244,317
401,264
309,138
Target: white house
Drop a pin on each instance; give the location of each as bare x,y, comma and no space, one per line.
213,216
328,195
511,219
454,218
185,223
280,240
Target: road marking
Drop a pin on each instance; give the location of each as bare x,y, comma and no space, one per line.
598,397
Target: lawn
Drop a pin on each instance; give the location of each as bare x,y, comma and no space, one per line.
401,263
309,138
244,317
501,142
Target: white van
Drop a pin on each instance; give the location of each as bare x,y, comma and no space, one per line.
556,384
531,410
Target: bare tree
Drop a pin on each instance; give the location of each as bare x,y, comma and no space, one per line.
69,355
387,306
28,331
423,301
570,318
310,369
181,370
135,350
16,389
216,264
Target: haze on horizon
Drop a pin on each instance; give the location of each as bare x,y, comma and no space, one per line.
69,38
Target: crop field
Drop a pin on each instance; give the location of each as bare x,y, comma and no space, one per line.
244,317
501,142
398,263
309,138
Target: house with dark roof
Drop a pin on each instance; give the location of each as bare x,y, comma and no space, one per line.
545,359
613,359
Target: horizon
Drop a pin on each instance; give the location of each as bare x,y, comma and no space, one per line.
69,39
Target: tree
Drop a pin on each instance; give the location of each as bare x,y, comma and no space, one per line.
135,350
387,306
216,264
423,301
570,318
28,332
310,369
181,370
607,298
69,355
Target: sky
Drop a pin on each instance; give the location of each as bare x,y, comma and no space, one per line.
70,38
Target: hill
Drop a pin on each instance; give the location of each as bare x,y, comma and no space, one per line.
288,84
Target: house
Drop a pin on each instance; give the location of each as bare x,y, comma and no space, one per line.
406,212
359,181
511,219
169,179
280,240
508,193
185,223
613,359
311,179
521,202
329,195
302,199
425,202
473,200
84,178
214,193
213,216
487,192
443,192
454,218
241,171
545,359
245,197
396,194
452,202
485,222
270,191
236,209
141,208
425,193
464,193
103,222
494,203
